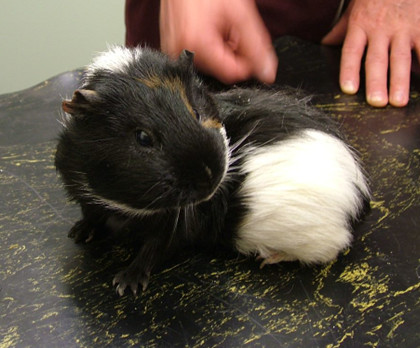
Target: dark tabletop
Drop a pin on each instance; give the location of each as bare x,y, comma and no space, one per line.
56,293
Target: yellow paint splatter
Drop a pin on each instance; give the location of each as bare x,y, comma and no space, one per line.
391,130
396,321
369,288
11,338
49,315
380,206
341,340
355,275
411,288
376,328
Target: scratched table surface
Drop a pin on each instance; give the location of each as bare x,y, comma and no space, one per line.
56,293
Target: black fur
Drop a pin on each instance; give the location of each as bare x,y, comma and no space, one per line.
139,145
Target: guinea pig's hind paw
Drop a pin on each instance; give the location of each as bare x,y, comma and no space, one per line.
126,278
276,257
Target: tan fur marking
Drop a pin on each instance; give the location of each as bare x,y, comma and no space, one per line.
151,81
174,85
212,123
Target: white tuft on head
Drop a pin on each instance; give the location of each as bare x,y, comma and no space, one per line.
300,194
117,59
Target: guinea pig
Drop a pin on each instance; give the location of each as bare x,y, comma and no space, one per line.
146,147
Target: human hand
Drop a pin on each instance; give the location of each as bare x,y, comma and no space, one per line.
390,30
229,38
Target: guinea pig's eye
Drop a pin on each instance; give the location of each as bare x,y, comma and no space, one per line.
143,138
197,115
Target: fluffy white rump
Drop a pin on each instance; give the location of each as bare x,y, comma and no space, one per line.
300,194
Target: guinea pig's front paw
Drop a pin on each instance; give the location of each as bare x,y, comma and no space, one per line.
82,231
130,278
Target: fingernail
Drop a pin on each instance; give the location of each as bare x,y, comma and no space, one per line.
268,73
398,99
348,87
376,99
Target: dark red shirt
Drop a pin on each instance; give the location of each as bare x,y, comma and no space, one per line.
307,19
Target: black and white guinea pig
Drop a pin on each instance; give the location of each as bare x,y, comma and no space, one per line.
147,148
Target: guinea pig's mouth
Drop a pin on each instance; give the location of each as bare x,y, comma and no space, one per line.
173,199
197,197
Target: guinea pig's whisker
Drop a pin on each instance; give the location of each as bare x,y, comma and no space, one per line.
232,178
64,118
96,141
128,161
237,157
234,159
189,215
186,218
150,205
161,197
240,141
175,226
233,169
150,189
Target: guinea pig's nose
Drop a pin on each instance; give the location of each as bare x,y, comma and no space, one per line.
208,172
204,182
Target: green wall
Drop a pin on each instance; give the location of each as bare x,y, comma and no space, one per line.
42,38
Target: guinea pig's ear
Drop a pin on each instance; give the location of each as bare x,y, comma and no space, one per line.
186,58
82,101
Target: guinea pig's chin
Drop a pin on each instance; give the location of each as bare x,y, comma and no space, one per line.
196,199
130,210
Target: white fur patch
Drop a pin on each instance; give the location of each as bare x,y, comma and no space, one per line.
116,59
300,193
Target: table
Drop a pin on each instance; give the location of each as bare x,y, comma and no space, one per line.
56,293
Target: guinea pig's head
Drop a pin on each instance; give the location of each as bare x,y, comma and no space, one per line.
143,134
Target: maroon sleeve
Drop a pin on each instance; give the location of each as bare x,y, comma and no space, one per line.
142,23
307,19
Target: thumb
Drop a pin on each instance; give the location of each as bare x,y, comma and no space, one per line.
337,33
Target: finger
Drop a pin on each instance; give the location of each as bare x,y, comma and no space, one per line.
266,72
337,34
417,49
255,47
221,62
250,55
376,69
264,64
351,57
400,66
